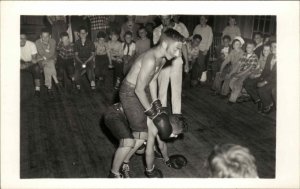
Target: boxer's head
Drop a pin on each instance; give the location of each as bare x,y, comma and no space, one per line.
172,42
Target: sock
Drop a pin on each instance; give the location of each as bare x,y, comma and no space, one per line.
93,84
37,88
150,170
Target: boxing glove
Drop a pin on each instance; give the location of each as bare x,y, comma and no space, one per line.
161,121
178,123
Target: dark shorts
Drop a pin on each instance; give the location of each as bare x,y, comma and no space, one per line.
133,108
117,124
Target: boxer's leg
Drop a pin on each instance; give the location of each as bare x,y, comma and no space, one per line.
163,148
152,132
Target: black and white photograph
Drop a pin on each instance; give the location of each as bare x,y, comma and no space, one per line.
163,95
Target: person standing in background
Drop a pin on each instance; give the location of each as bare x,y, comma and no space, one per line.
207,37
232,30
98,23
59,25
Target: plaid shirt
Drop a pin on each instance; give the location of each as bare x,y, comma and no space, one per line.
65,52
99,22
248,62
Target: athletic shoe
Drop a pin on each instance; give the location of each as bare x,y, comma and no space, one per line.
112,175
155,173
125,170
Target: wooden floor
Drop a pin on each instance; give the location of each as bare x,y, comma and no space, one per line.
65,137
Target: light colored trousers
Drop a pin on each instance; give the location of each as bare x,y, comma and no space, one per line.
236,86
173,74
49,72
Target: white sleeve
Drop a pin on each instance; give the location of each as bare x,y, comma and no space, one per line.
33,49
185,32
156,34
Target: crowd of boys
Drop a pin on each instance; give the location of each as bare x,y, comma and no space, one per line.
146,58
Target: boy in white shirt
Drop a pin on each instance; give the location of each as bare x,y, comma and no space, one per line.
29,61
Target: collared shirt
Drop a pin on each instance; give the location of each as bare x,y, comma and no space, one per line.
27,51
248,61
101,48
46,50
65,52
99,22
128,49
84,50
206,34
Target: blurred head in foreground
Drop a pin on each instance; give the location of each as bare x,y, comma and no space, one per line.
232,161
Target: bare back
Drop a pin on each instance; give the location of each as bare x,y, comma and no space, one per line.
148,57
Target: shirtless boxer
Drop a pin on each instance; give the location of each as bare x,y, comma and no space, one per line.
139,89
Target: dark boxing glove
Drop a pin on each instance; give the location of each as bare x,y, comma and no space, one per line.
160,120
179,124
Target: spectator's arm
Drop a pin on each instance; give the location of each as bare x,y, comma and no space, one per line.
77,58
225,62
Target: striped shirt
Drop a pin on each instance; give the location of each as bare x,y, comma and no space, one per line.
65,52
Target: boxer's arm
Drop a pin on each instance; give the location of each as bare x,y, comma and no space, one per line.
144,78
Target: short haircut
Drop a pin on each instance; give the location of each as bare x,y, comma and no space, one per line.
232,161
226,37
128,33
267,45
174,35
82,28
197,36
45,30
114,32
250,42
101,34
259,33
64,34
236,40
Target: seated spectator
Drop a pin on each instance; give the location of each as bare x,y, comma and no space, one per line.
222,52
46,47
103,58
250,84
84,59
258,39
129,49
267,82
232,161
116,54
29,61
131,26
247,65
65,58
232,30
221,83
143,43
